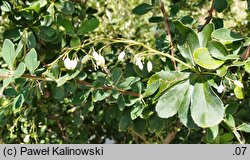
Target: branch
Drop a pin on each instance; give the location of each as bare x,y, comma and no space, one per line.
140,136
166,20
59,125
210,16
246,53
134,94
171,136
85,83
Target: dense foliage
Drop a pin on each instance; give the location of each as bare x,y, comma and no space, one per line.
147,71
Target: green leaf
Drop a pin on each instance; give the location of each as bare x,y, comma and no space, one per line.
187,41
51,9
70,75
47,21
80,97
222,71
232,108
68,26
218,22
204,59
60,81
137,87
226,36
247,42
248,5
156,19
129,101
88,26
34,6
187,20
65,7
207,109
10,92
19,71
230,121
121,102
58,92
220,5
6,82
19,49
12,34
42,3
238,63
167,79
9,53
238,91
140,125
99,95
244,127
151,89
126,84
175,9
117,75
31,60
219,51
5,7
71,87
184,110
156,124
48,34
31,40
27,14
247,67
124,122
18,101
226,137
205,35
55,70
142,9
100,81
170,102
136,110
75,41
91,10
88,107
212,133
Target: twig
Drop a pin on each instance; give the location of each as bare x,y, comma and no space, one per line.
168,31
234,130
134,94
246,53
140,136
170,137
237,136
59,125
210,16
85,83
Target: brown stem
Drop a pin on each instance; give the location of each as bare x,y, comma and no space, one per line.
171,135
85,83
210,16
59,125
168,31
134,94
136,136
36,78
246,53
